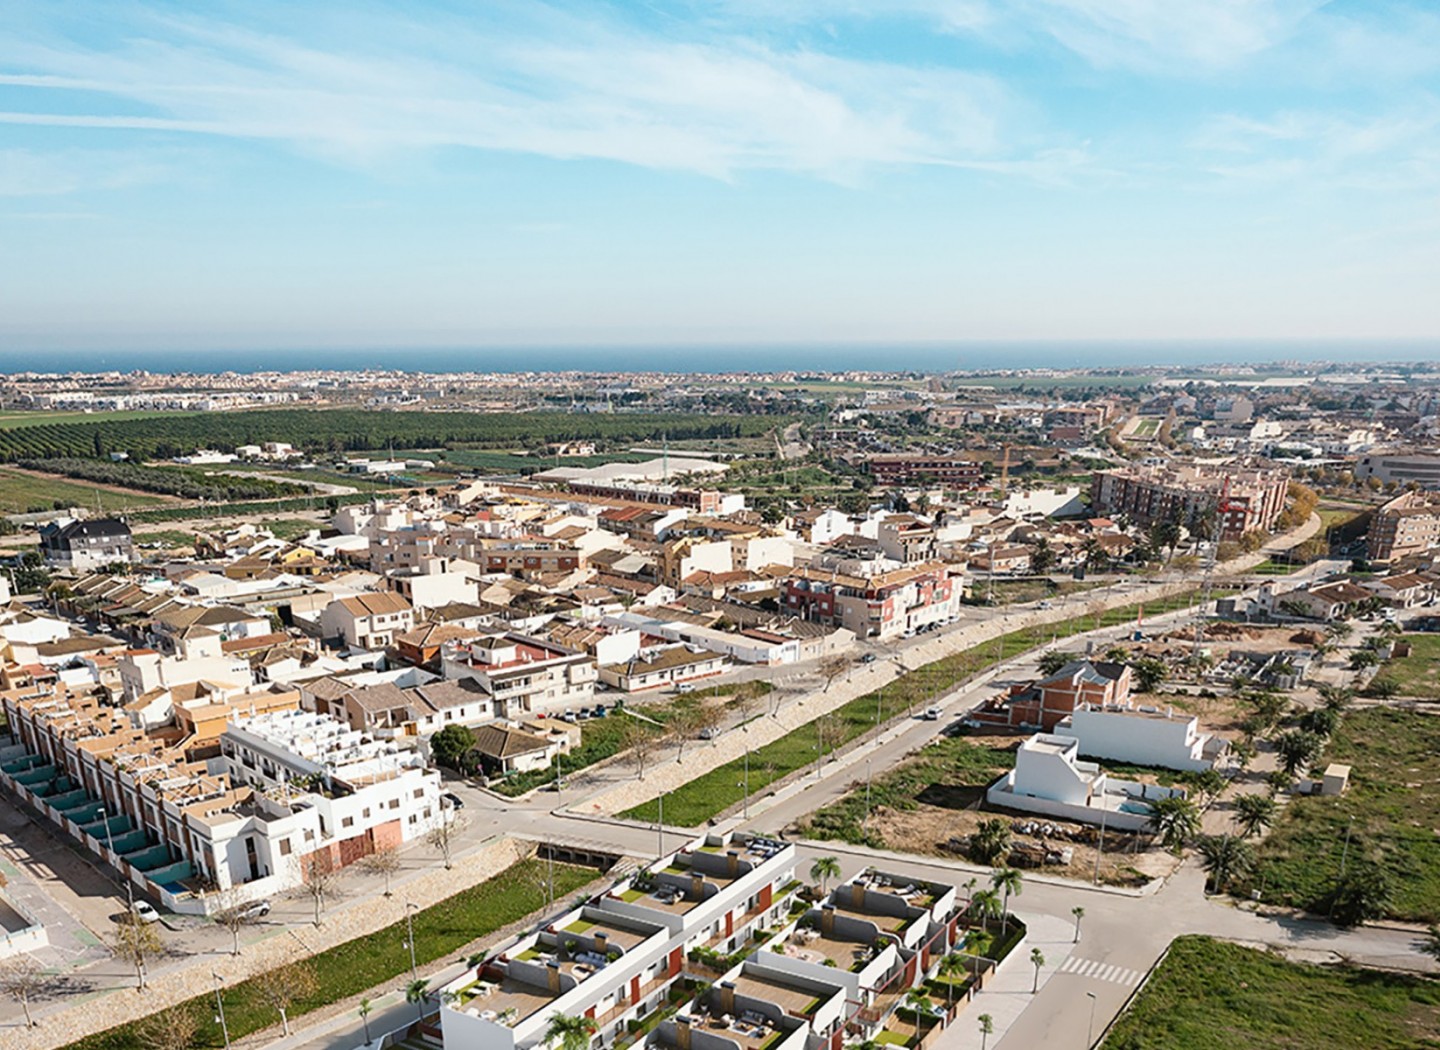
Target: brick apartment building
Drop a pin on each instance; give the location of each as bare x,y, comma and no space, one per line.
1408,524
908,469
1256,495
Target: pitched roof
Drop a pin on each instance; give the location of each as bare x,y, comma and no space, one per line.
375,603
498,741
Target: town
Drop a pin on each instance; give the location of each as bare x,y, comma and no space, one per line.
715,712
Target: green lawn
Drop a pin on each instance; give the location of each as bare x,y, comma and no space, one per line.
708,794
1394,800
365,962
24,493
1210,995
1270,567
1419,673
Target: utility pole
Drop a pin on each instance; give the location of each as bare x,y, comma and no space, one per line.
220,1010
410,939
1100,844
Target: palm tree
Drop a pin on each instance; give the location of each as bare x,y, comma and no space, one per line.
1361,896
1254,813
991,841
917,1000
1431,945
987,1027
415,992
1175,819
823,870
569,1033
969,885
1007,880
1037,960
364,1012
952,966
1297,748
1226,859
1336,697
1079,914
977,943
986,905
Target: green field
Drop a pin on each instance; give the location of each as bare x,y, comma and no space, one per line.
1391,809
16,420
1419,673
702,798
1211,995
22,494
360,964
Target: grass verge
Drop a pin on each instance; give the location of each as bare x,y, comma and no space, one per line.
1419,673
352,967
702,798
1210,995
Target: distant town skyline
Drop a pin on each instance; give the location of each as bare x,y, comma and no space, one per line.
736,173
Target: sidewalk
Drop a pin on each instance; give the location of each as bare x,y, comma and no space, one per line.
1008,992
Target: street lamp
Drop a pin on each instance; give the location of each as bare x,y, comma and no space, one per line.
220,1010
410,938
1090,1032
115,861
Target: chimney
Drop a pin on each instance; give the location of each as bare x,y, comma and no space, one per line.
600,937
827,919
682,1032
727,997
552,977
732,863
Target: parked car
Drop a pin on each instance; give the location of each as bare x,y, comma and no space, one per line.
868,658
144,911
710,732
456,802
932,713
685,687
255,910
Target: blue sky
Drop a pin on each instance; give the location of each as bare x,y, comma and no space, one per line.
283,175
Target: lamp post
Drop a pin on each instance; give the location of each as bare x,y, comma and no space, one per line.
220,1010
660,828
1090,1032
114,860
1100,845
410,938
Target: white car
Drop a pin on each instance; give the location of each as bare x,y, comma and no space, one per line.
145,912
932,713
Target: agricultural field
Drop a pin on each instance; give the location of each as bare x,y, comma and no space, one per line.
1212,995
360,430
11,420
25,493
1390,812
183,482
516,462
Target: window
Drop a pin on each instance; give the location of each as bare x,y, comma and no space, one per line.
365,813
284,847
419,793
394,803
347,822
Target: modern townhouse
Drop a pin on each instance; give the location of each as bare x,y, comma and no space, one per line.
616,958
521,673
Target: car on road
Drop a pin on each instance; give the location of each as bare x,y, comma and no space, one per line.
685,687
711,732
456,802
932,713
144,911
1045,603
868,658
256,910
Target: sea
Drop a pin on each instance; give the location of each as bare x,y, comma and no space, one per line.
721,358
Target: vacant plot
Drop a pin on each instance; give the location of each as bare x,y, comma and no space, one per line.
22,493
1392,811
1419,673
1018,592
1210,995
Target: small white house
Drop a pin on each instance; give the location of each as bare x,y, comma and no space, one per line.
1144,736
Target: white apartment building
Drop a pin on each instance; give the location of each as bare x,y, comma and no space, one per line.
1144,736
366,794
614,959
367,621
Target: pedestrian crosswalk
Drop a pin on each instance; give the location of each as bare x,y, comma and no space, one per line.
1099,971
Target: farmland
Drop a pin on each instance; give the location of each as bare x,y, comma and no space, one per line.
358,430
26,493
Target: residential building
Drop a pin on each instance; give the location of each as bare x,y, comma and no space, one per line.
906,469
1408,524
615,958
385,710
1142,736
85,546
659,667
1049,778
906,539
1254,497
1046,702
872,599
523,674
368,621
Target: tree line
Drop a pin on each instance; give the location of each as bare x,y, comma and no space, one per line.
168,481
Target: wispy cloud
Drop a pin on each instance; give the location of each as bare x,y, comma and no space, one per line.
590,90
32,173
